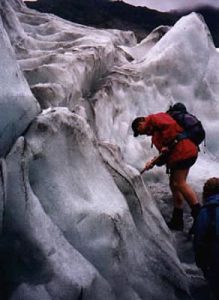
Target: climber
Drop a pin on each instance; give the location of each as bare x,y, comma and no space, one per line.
177,154
206,235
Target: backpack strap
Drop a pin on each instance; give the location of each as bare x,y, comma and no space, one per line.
181,136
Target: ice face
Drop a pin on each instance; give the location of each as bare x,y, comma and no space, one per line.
73,218
42,258
75,215
18,106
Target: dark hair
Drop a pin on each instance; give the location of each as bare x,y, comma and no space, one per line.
178,107
211,187
135,124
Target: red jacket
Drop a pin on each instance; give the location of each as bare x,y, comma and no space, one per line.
164,131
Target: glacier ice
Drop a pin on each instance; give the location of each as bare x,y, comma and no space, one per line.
77,221
139,51
18,106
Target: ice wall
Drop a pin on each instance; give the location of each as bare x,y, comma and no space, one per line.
77,220
18,106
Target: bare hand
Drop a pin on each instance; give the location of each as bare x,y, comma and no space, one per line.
164,150
149,165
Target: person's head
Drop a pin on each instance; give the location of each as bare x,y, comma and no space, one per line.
211,187
178,107
139,128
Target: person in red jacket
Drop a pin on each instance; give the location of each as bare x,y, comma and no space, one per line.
179,155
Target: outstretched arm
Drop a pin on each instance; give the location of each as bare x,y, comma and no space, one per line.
157,160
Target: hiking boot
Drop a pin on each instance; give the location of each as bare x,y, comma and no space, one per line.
176,225
176,222
195,212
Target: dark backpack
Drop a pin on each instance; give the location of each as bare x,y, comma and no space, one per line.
192,126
